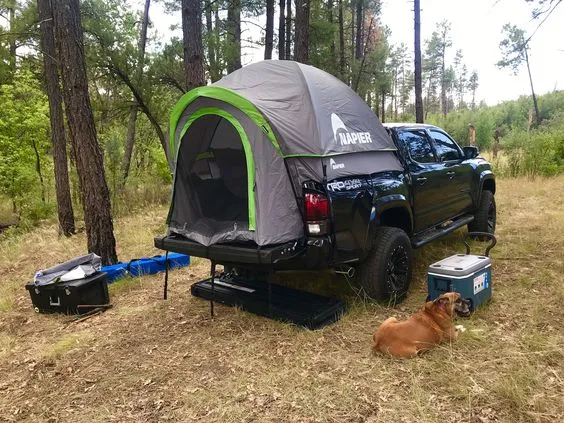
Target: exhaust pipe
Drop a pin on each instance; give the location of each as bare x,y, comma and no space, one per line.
347,271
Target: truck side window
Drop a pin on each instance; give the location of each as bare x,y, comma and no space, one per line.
418,146
446,148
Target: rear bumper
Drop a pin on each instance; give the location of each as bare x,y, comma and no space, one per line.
300,254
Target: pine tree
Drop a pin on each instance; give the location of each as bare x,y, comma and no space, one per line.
89,166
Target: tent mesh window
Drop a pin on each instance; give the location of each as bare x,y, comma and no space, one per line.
217,172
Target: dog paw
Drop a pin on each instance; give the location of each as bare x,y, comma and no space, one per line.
460,328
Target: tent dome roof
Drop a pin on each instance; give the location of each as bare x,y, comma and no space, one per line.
311,112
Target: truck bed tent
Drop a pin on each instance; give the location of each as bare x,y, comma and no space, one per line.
243,146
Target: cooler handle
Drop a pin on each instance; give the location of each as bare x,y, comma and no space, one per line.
491,237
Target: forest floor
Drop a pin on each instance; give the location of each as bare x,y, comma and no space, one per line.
149,360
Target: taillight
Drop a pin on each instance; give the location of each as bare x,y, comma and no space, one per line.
317,213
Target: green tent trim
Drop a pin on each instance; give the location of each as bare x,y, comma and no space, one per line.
330,154
246,147
222,94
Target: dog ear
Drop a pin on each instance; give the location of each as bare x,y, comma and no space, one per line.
445,300
442,300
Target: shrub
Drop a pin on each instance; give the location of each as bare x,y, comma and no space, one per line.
537,152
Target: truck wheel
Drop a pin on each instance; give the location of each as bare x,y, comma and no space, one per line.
386,273
485,217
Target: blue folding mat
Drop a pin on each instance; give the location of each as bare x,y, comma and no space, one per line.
145,266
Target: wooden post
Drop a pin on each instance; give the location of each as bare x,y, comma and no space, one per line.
472,135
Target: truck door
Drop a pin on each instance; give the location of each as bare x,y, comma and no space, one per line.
425,173
457,175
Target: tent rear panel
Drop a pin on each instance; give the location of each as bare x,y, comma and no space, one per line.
212,208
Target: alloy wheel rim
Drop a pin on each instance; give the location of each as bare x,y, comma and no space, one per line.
491,217
397,270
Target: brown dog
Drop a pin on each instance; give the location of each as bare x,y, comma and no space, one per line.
428,327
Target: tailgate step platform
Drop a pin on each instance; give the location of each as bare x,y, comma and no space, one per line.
287,304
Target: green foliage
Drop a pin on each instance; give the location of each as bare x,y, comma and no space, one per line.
537,152
23,122
512,48
112,27
525,151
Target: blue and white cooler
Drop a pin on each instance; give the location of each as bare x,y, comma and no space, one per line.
469,275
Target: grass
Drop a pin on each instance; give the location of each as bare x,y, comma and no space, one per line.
152,360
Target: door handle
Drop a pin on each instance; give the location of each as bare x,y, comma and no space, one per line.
450,174
421,180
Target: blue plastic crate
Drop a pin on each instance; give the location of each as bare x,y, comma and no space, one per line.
145,266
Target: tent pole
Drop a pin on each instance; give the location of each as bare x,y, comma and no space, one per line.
212,271
166,277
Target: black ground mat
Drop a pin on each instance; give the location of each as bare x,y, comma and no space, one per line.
287,304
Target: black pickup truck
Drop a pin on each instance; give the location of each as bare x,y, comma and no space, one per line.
369,224
282,166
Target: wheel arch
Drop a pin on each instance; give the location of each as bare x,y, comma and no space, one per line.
488,185
394,211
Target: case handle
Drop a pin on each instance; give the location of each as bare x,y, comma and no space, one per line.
492,238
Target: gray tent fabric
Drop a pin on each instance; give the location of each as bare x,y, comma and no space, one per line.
312,111
246,144
90,263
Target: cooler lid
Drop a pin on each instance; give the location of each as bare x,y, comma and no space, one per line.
460,265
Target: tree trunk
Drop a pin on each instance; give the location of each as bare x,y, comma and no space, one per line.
217,42
234,36
383,100
444,105
192,40
130,140
301,53
288,54
537,113
210,35
12,21
89,165
38,170
359,29
417,63
395,95
269,33
353,35
282,30
65,211
332,47
342,62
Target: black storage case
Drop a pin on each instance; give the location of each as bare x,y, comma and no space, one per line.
286,304
65,297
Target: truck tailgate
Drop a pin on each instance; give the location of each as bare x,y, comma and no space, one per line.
230,253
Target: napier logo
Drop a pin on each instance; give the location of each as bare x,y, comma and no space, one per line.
344,137
335,165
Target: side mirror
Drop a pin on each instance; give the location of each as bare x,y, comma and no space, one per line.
470,152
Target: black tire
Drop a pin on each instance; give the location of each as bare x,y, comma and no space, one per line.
385,274
485,216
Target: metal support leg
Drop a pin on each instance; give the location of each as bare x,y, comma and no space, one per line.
212,271
270,275
166,277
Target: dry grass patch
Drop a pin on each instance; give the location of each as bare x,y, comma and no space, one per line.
151,360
